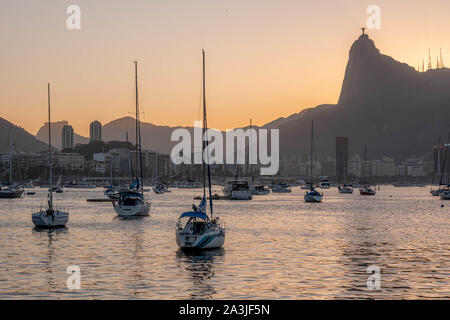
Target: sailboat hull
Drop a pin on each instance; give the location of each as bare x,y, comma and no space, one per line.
367,192
313,198
345,190
43,219
210,240
436,193
241,195
10,194
125,211
445,195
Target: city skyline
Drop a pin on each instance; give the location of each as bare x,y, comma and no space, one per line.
303,46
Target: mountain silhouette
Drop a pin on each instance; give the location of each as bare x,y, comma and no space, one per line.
154,137
388,105
42,134
22,140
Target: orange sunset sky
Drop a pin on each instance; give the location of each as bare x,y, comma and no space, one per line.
265,59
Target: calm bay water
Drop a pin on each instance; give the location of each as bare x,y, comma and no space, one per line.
277,247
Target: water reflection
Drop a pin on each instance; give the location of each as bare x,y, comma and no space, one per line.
50,261
201,268
131,231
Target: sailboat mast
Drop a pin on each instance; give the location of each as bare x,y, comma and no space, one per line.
204,120
365,164
10,156
205,142
249,148
312,150
444,162
49,149
138,129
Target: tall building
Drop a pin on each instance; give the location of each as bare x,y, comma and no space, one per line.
95,131
341,158
163,165
67,137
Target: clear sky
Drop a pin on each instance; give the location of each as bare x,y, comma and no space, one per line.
265,59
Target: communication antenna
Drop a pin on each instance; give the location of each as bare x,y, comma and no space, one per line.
430,66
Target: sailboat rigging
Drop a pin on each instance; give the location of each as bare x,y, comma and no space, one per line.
312,195
132,202
50,217
12,191
201,231
365,189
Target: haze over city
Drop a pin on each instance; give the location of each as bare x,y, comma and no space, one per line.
266,59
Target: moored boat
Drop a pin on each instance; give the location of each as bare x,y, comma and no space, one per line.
132,202
281,188
50,217
196,230
260,190
312,195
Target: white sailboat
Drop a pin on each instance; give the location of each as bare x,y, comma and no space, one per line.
312,195
132,202
238,189
196,230
50,217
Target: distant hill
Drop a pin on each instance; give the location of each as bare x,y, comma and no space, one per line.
42,134
23,141
154,137
398,111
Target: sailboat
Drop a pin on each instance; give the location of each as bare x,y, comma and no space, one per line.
201,231
50,217
281,187
445,191
10,191
343,187
312,195
158,188
437,172
131,202
256,189
365,189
